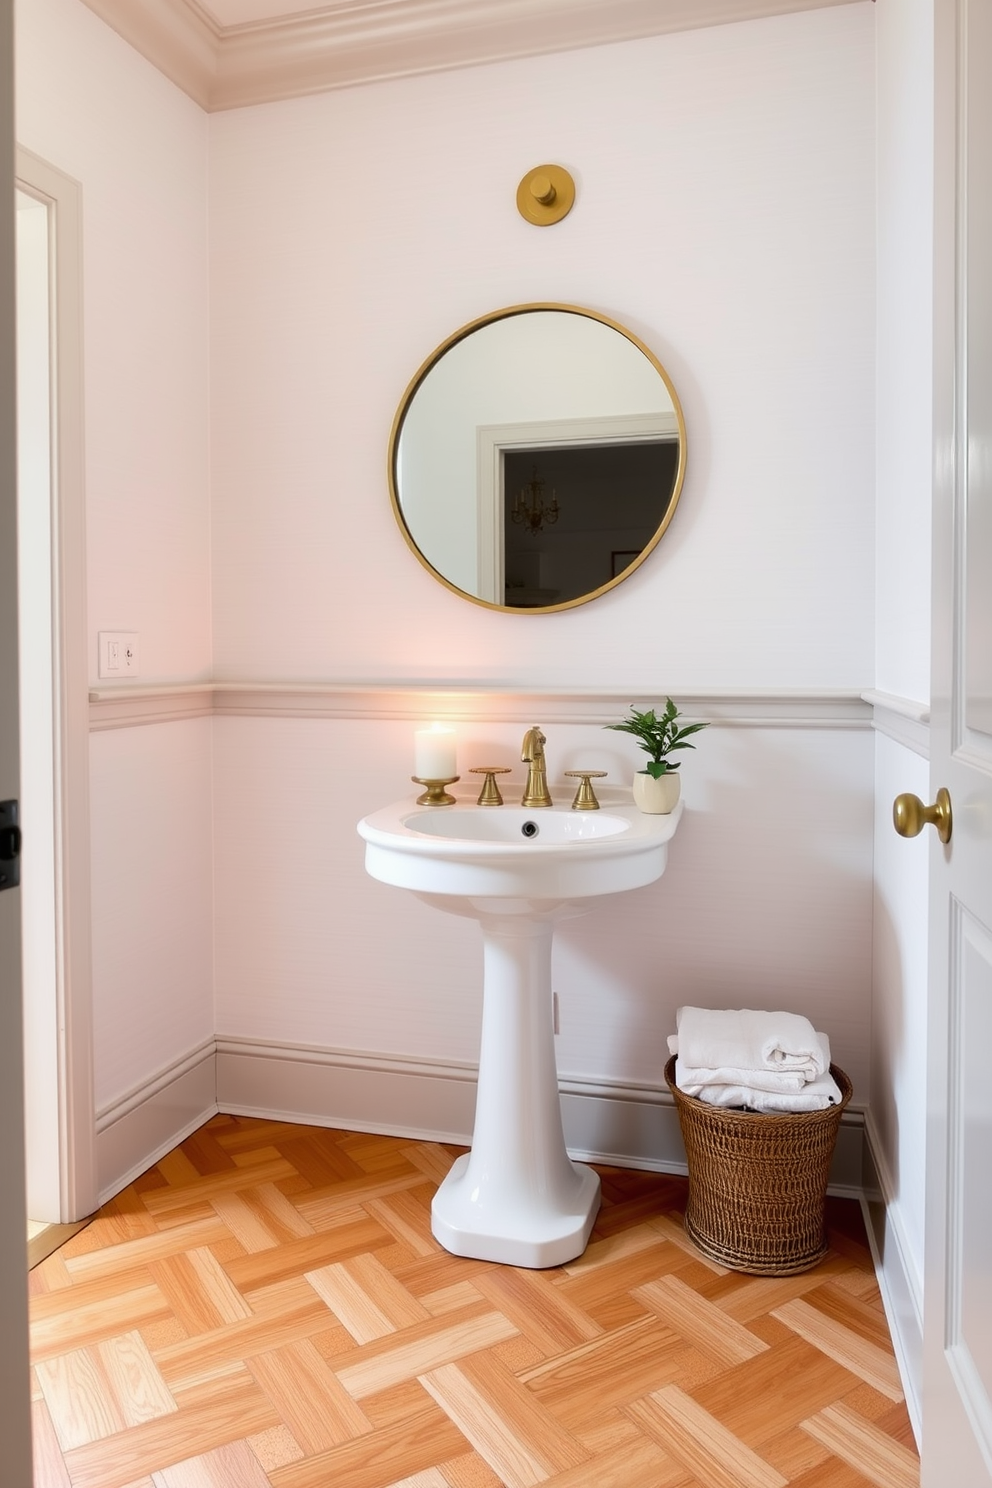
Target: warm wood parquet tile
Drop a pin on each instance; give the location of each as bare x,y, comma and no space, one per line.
698,1440
863,1446
874,1364
267,1308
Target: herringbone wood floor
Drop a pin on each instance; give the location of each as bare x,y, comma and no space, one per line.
267,1308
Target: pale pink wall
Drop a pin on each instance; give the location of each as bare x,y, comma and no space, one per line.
725,212
91,106
153,901
904,447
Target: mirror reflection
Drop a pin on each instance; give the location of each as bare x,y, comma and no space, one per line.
537,458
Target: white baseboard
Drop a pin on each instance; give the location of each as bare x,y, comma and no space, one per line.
898,1277
630,1126
147,1122
414,1098
638,1127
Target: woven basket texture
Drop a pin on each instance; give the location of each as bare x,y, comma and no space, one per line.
758,1182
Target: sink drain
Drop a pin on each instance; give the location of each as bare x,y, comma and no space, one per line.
530,829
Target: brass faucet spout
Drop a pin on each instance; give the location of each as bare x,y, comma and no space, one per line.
536,791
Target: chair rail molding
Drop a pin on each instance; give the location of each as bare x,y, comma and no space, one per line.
905,720
130,706
347,42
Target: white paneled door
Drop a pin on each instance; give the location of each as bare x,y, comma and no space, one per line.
957,1391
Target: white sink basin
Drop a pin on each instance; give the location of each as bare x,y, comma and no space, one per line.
513,852
517,1197
516,824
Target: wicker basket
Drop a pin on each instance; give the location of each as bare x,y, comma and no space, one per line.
758,1182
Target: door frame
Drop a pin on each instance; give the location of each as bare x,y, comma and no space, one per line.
62,196
492,440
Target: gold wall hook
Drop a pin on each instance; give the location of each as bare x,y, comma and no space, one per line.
910,816
545,195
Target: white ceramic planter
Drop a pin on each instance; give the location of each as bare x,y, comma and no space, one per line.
657,797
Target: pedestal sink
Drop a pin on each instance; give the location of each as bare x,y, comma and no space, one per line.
517,1197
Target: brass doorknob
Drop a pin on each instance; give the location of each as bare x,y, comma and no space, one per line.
910,816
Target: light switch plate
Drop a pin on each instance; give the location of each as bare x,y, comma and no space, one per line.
118,653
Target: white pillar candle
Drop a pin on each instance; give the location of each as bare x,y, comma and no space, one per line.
434,753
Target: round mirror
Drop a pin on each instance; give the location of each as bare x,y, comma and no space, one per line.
537,458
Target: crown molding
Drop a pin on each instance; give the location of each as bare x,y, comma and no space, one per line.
176,36
359,41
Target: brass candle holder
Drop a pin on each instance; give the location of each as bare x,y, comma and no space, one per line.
435,794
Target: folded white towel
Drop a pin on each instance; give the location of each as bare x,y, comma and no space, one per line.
777,1082
712,1038
816,1095
731,1074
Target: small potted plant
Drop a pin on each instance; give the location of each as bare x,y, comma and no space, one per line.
657,786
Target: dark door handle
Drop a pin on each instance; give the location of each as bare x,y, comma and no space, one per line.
10,845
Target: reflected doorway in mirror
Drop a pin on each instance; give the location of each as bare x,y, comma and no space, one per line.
610,496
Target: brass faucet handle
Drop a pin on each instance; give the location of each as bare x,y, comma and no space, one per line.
585,796
489,794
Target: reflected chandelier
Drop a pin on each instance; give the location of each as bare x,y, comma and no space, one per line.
530,507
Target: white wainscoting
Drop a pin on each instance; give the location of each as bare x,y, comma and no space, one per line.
894,1182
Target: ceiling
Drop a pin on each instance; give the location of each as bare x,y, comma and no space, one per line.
230,53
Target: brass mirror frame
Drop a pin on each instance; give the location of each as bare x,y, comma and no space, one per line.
430,363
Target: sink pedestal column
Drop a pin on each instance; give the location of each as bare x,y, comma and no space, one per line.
517,1197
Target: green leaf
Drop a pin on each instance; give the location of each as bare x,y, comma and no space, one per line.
658,736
